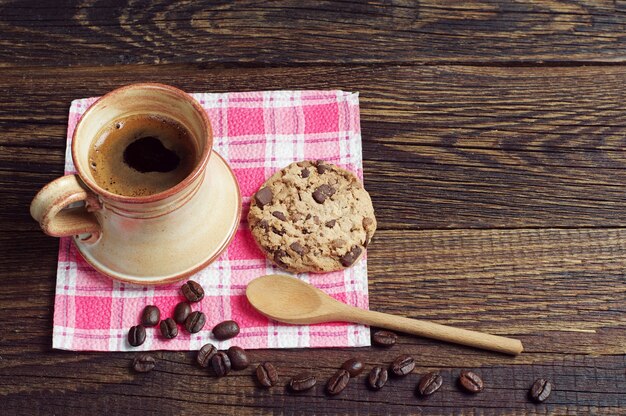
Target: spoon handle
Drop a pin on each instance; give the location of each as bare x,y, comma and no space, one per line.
436,331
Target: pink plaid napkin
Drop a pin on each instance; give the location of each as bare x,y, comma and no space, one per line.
257,133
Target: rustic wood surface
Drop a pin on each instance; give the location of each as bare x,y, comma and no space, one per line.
493,144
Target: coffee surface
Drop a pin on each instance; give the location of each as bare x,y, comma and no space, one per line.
142,155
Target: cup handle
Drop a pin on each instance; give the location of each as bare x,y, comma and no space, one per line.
50,209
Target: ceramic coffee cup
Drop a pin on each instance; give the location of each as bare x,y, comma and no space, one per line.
153,239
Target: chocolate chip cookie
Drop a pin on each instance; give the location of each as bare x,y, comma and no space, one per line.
312,216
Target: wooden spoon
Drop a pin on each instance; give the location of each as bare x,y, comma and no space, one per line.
290,300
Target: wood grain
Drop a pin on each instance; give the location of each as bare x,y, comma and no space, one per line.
293,32
493,140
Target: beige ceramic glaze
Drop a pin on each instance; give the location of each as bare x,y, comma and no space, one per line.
153,239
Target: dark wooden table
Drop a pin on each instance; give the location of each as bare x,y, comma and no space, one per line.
493,139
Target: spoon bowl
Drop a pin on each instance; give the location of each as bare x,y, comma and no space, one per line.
290,300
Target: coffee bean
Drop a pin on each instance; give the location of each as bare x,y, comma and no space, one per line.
353,366
279,215
193,291
402,365
220,364
136,335
225,330
471,382
195,321
150,316
144,363
351,256
238,358
169,329
338,382
429,384
205,354
263,197
266,374
302,382
181,312
377,378
540,390
384,338
322,192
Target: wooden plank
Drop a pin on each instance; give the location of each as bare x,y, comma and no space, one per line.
292,32
550,288
444,147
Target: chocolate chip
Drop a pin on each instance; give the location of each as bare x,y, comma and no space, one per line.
279,215
263,197
277,231
305,173
350,257
297,247
308,217
264,224
322,192
278,255
316,220
331,223
321,167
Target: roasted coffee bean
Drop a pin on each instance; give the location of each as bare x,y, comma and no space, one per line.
205,354
220,364
351,256
150,316
144,363
266,374
302,382
193,291
471,382
263,197
238,358
195,321
136,335
353,366
338,382
429,384
384,338
225,330
402,365
181,312
377,378
168,328
540,390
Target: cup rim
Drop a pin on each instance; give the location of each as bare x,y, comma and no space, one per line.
195,173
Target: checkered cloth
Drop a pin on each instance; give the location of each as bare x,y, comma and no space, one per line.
258,133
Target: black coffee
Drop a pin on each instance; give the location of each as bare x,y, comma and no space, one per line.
225,330
338,382
377,378
238,358
150,316
266,375
220,364
471,382
142,155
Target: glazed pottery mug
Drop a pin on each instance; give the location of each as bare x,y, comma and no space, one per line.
152,239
